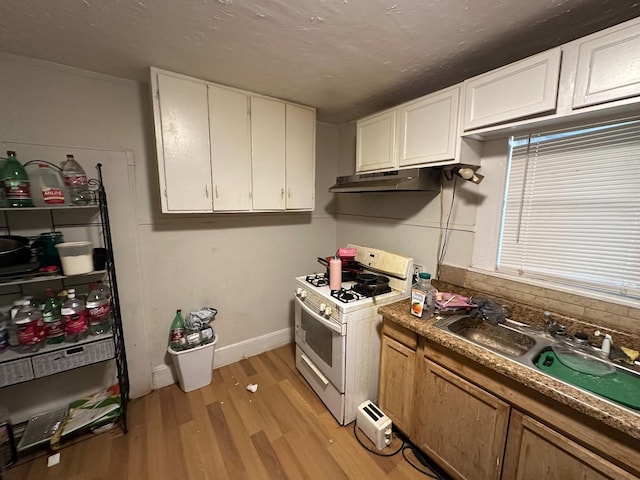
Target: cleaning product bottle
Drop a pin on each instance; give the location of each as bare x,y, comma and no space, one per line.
423,302
15,183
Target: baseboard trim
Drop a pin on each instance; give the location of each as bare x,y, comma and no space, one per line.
163,375
253,346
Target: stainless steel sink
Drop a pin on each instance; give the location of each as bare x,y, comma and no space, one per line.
511,340
530,347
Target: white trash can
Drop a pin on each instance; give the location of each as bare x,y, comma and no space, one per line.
194,366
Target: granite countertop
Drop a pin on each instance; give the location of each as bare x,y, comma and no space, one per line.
618,417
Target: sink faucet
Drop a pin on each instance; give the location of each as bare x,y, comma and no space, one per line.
552,326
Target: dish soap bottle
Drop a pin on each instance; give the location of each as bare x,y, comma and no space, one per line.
423,302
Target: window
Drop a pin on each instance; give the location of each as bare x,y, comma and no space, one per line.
571,212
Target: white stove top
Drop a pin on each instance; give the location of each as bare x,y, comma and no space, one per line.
397,268
323,295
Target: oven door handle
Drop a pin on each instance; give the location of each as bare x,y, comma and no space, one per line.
328,324
315,370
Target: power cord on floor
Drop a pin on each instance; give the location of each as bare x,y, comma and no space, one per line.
424,461
355,433
405,445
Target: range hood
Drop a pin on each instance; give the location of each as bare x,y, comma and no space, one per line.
412,179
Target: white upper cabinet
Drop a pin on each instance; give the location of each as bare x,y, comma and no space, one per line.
182,140
221,149
376,142
268,157
608,68
419,133
283,160
230,136
525,88
427,128
300,135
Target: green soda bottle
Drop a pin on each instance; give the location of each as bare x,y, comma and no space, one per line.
53,325
15,183
177,331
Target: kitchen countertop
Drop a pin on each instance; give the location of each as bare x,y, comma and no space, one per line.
618,417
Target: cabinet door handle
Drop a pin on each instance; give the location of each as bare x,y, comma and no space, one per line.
289,193
206,190
282,193
216,191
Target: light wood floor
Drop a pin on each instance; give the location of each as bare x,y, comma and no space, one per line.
223,431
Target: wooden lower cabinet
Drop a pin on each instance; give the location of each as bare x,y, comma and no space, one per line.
461,426
535,451
478,425
395,391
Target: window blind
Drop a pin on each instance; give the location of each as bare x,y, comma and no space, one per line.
572,207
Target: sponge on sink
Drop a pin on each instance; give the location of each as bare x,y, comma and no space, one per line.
632,354
623,354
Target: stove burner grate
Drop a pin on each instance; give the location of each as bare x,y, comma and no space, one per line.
346,295
318,279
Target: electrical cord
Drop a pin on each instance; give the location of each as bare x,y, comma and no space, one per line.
424,461
444,232
355,433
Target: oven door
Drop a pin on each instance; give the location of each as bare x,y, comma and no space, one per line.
323,342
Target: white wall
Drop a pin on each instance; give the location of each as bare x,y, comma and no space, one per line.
241,264
407,223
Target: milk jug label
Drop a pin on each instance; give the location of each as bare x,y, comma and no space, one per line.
52,196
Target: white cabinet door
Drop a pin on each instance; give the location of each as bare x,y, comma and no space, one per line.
525,88
300,157
230,149
182,134
608,68
268,153
427,128
376,145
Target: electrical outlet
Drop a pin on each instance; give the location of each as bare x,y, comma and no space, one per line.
417,270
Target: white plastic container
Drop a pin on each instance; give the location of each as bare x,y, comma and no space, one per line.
76,257
194,366
47,187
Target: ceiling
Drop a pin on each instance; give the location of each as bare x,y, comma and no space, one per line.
347,58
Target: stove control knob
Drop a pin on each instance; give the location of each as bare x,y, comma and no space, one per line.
298,292
328,311
322,307
303,294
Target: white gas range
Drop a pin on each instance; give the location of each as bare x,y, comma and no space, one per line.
338,332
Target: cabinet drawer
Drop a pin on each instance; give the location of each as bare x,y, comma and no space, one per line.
401,334
15,371
72,357
522,89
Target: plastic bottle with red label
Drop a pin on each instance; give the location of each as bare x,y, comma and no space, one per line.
47,186
99,311
76,181
29,328
74,317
